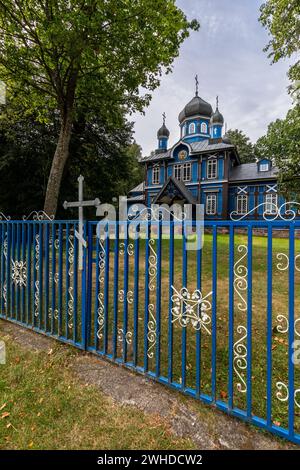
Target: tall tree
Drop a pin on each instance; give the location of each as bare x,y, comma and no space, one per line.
282,20
104,154
243,144
53,53
282,145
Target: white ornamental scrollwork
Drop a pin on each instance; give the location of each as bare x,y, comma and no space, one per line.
129,296
191,308
130,249
283,326
284,262
71,281
37,282
4,289
127,336
151,334
240,284
283,212
152,267
54,278
101,277
38,215
240,358
156,213
4,217
19,273
283,393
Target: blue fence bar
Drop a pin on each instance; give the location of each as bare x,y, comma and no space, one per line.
180,316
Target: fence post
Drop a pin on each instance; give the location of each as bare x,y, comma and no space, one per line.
87,263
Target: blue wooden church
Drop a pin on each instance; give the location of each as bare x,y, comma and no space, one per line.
204,167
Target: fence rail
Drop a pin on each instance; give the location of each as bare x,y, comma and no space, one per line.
221,324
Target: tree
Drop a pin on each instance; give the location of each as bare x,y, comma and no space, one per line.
243,144
282,145
282,19
55,53
104,154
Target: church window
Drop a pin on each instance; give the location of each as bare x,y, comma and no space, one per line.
192,128
212,169
183,172
186,172
264,167
177,171
184,130
242,204
211,204
204,128
155,174
271,203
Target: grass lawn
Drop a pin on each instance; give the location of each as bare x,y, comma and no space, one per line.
44,406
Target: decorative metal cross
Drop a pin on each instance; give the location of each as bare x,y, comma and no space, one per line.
81,204
164,118
197,84
217,100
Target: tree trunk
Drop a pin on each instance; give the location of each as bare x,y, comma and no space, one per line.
58,164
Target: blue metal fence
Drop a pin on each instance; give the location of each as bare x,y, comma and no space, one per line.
220,324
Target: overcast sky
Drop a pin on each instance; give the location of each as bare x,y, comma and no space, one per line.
227,54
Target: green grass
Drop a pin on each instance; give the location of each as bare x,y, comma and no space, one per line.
44,406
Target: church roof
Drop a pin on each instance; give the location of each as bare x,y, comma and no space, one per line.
180,186
197,147
249,171
138,189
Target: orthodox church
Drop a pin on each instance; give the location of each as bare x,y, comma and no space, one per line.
204,167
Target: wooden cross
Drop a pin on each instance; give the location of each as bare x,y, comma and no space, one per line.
81,204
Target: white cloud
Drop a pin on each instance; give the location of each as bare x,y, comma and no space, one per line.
228,56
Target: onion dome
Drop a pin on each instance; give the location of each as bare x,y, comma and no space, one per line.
217,117
197,106
163,132
226,139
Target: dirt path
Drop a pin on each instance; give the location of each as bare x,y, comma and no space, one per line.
207,427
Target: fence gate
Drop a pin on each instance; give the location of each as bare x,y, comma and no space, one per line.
221,324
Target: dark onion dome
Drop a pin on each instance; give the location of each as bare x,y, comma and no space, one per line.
217,118
197,106
226,139
163,132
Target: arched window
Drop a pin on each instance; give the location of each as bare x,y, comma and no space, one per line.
192,128
183,130
203,128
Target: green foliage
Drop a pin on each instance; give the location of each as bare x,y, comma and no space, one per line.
56,56
243,144
282,20
50,51
282,145
103,153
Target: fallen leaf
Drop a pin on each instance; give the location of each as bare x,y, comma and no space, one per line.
2,406
30,444
50,352
277,423
223,394
5,414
